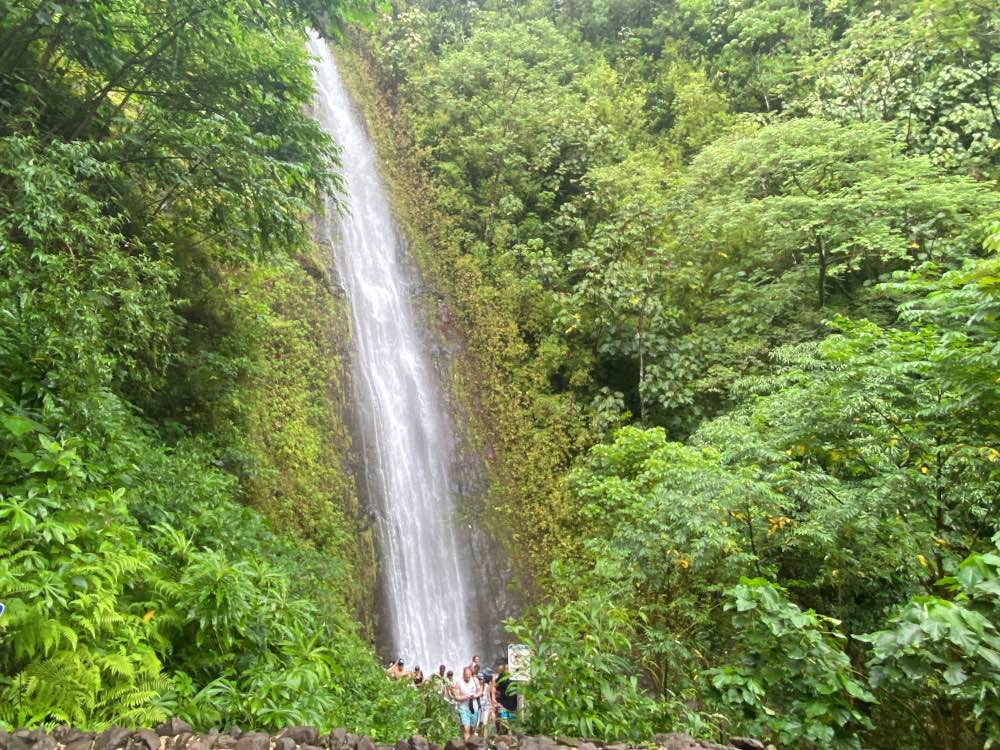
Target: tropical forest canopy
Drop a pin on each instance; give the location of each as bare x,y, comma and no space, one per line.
178,531
727,279
729,273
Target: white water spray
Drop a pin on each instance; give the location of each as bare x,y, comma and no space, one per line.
407,446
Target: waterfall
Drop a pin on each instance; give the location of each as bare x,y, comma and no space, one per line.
428,568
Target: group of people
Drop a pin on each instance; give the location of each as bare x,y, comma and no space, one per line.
483,698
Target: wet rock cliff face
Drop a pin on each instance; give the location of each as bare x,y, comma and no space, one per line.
178,735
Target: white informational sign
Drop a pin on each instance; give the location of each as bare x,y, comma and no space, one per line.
519,662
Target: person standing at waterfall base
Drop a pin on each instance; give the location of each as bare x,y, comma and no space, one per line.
397,669
487,706
466,692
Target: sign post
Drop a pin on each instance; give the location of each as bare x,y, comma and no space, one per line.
519,668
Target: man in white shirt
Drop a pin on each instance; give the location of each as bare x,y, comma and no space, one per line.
466,692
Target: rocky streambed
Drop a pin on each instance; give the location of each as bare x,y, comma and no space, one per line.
178,735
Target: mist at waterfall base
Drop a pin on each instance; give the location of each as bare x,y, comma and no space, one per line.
428,562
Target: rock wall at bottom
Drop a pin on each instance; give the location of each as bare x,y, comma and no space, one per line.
178,735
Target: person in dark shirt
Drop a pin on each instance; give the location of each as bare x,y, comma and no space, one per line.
506,692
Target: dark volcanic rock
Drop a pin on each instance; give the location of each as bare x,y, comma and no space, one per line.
676,742
112,738
475,743
235,731
83,743
540,742
144,739
418,743
746,743
225,742
12,742
253,741
337,739
401,745
173,727
364,743
284,743
301,735
201,742
454,745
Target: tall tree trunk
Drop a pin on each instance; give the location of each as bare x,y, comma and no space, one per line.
821,283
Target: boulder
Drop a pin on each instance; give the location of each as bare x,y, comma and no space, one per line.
383,746
454,745
401,745
112,738
418,743
364,743
83,743
203,742
43,741
746,743
568,741
676,742
173,727
337,739
179,742
12,742
253,741
539,742
284,743
62,733
144,739
475,743
586,746
235,732
301,735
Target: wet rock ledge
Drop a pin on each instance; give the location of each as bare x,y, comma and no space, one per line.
178,735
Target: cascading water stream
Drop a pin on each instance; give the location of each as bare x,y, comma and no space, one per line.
406,435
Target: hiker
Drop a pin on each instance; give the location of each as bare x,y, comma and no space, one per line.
396,669
506,699
487,706
467,692
418,676
449,681
437,680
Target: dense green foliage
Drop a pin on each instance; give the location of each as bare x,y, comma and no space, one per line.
727,272
177,519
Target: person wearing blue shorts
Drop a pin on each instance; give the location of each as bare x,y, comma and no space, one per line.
467,692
